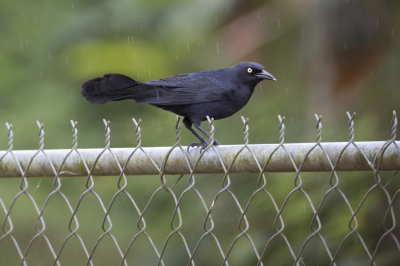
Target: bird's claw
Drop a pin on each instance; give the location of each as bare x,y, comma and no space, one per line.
202,145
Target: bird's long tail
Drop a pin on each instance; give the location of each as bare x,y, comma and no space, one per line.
112,87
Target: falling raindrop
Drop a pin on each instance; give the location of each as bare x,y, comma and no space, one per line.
393,33
38,185
217,47
67,60
131,41
279,22
345,46
377,21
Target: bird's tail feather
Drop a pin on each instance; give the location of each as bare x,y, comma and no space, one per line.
111,87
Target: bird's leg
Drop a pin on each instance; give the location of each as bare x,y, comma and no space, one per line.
216,142
203,143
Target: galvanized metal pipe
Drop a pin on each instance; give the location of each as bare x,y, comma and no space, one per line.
150,160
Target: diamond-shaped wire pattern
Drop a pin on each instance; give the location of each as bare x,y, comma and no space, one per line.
270,204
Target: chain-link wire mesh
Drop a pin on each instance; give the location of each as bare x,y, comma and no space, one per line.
271,204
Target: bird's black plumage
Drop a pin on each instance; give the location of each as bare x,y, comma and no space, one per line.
215,93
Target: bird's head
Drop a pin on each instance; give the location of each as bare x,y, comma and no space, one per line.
251,73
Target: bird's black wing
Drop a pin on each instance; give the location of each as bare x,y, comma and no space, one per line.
193,88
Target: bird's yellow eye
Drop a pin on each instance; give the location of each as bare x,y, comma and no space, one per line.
249,70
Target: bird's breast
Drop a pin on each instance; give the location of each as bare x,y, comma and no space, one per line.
239,97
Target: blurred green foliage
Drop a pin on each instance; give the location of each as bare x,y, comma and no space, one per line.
328,56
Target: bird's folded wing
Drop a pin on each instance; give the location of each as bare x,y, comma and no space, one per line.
187,89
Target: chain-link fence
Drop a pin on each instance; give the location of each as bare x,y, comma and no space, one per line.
270,204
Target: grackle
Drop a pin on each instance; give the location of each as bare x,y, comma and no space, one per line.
215,93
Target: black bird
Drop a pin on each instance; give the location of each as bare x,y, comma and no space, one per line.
215,93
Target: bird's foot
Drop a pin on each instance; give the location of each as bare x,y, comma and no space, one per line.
216,142
202,145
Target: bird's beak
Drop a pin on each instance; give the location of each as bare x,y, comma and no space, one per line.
265,75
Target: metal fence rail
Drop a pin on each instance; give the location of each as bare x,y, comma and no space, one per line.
300,203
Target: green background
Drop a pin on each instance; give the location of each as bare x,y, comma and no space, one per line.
329,57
